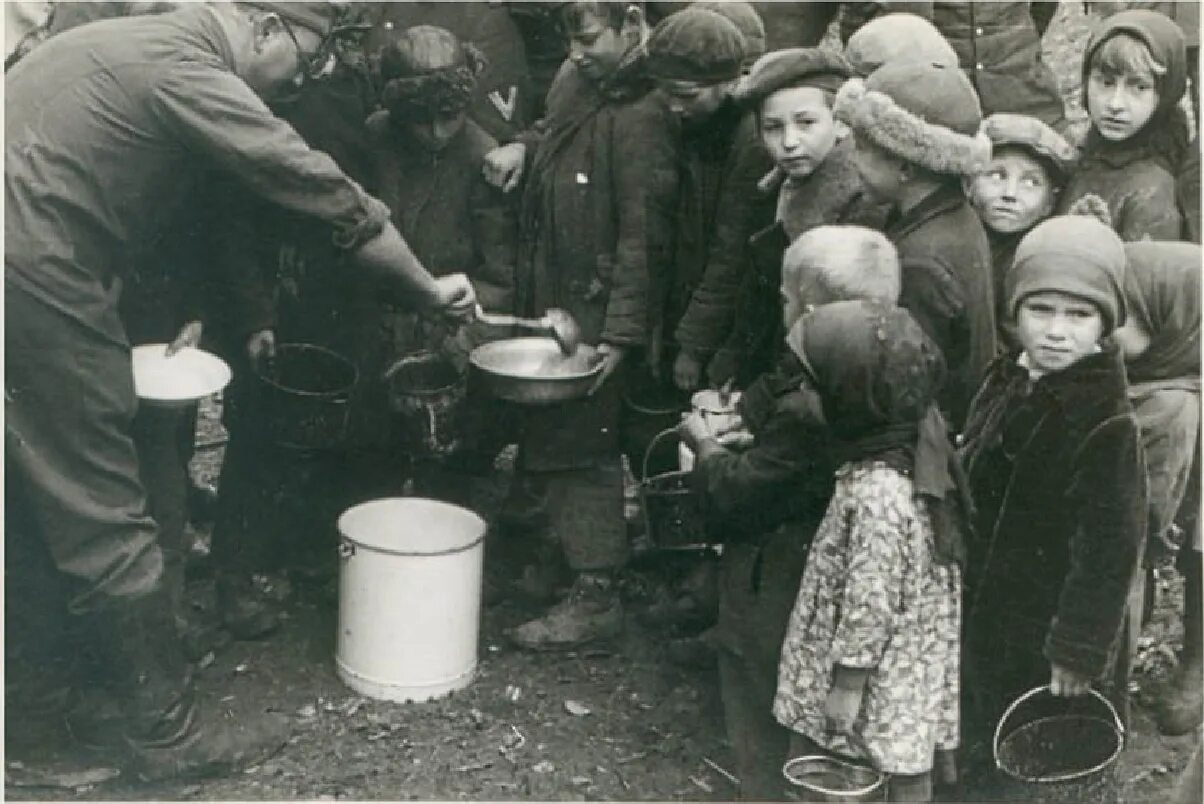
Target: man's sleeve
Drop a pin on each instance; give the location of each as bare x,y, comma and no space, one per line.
217,116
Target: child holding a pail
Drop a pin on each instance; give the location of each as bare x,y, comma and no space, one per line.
765,502
1056,468
869,666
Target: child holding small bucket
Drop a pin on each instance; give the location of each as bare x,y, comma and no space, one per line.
766,501
869,665
1055,464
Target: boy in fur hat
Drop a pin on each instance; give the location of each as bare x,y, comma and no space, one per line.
916,131
768,500
1134,74
1054,458
731,327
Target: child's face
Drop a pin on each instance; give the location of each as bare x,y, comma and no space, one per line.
691,102
1057,330
1120,105
798,129
880,172
437,131
1013,193
595,47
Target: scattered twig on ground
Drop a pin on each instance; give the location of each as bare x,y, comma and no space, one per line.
633,758
715,767
474,766
702,785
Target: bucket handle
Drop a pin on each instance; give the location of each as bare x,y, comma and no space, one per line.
1120,727
656,439
346,550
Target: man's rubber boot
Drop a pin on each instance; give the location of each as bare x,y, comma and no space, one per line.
592,611
245,613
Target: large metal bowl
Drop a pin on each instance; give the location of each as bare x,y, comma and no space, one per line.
508,369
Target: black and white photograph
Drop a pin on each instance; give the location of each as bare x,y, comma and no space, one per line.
596,400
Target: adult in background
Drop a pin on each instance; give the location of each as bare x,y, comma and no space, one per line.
109,128
998,46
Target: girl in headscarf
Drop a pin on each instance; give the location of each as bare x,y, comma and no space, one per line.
869,666
1161,345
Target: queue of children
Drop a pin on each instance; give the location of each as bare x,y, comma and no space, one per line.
968,350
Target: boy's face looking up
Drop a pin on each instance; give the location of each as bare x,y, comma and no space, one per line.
691,102
595,47
798,129
1014,192
1057,330
1122,90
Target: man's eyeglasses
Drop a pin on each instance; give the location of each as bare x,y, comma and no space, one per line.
316,65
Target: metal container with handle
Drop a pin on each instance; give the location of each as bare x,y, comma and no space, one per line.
510,369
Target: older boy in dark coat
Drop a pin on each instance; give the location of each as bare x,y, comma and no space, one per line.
916,128
596,222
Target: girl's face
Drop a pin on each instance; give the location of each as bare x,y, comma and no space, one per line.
1013,193
1120,105
798,129
881,172
1057,330
435,133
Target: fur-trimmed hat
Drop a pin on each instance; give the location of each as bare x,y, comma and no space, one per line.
744,17
897,37
1005,130
1073,254
695,45
927,114
793,67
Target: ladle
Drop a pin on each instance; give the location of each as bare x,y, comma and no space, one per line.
560,323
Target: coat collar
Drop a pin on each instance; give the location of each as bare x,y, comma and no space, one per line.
948,198
1080,391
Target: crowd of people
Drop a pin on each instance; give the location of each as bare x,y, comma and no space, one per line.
966,340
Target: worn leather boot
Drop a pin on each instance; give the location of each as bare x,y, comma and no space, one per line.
590,612
1181,709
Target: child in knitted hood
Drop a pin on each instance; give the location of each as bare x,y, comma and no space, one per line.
1134,76
915,127
1052,452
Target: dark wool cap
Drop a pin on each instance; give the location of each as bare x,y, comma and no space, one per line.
794,67
318,17
696,45
746,18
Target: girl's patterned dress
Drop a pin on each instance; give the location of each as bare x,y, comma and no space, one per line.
873,597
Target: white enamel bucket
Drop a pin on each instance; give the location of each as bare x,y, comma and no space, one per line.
409,598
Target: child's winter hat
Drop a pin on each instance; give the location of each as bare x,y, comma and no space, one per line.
927,114
793,67
695,45
1077,255
746,18
897,37
1166,44
1005,129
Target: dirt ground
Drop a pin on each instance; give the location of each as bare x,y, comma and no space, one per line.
625,721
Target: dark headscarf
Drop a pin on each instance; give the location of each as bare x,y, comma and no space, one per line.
1162,288
878,374
1164,136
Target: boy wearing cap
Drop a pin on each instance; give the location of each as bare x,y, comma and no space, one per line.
733,322
1054,460
916,130
1018,188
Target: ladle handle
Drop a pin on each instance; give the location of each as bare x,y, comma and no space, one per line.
504,320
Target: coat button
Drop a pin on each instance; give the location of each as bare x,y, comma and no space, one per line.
978,31
978,66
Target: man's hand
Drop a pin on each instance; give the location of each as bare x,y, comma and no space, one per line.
455,297
504,165
261,350
611,355
1067,683
188,337
722,368
687,371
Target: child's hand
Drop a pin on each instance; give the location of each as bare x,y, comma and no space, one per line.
1067,683
841,709
694,430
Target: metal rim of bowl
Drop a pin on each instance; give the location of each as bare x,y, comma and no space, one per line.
473,358
310,347
861,791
